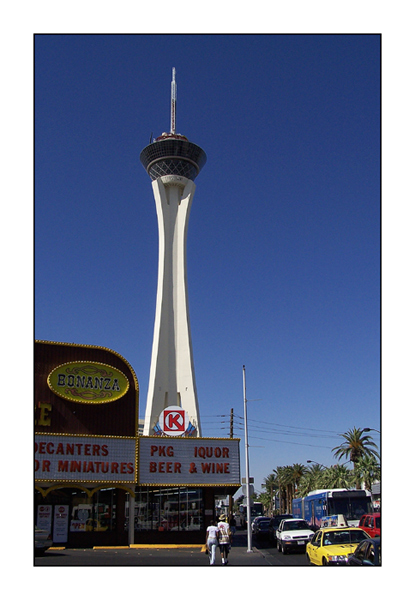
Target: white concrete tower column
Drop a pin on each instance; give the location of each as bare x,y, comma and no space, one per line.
172,379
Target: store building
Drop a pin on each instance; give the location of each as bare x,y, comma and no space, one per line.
97,480
93,470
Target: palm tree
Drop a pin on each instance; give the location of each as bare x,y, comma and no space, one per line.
337,476
368,471
288,482
298,471
266,499
355,446
271,485
311,479
281,478
291,475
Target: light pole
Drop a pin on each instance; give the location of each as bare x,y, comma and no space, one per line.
366,429
248,506
316,463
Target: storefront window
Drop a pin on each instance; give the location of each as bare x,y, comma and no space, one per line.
93,514
81,511
168,509
104,514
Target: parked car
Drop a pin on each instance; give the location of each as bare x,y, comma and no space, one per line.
332,545
274,524
367,554
43,540
255,521
261,526
293,534
371,524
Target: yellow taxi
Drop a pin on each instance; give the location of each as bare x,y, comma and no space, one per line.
94,525
332,545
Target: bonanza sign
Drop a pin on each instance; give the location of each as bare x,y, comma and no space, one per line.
84,390
65,458
189,461
88,382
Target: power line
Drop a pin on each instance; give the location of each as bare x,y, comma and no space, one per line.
265,427
291,426
286,442
266,430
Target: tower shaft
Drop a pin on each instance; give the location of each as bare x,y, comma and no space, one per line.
172,379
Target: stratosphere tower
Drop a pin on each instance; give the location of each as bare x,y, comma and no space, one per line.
173,164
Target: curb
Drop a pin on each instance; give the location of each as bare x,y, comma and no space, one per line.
136,546
172,546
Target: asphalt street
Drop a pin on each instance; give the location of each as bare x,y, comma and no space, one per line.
263,555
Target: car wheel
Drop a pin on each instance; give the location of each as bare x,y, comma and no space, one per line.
278,546
324,562
308,558
284,549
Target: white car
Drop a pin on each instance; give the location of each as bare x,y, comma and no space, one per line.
293,534
43,540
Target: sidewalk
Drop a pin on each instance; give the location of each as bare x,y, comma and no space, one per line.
194,555
163,555
239,556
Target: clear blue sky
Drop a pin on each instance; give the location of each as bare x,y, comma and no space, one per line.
284,234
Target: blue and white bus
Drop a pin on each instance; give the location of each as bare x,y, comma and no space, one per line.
352,504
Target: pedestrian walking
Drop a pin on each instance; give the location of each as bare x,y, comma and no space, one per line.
232,525
225,538
212,541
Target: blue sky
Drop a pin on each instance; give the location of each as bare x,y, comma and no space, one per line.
284,235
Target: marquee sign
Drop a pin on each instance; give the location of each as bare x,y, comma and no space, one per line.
189,461
88,382
65,458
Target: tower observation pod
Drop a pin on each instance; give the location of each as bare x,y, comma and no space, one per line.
173,164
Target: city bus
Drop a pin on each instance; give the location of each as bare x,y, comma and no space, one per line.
257,510
352,504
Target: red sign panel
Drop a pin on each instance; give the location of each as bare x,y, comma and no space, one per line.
68,372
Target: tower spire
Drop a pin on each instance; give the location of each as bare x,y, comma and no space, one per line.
173,103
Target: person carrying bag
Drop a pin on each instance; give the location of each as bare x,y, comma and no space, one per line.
224,537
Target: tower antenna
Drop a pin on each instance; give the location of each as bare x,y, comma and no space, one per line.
173,103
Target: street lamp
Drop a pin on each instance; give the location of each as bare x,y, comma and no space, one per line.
316,463
248,504
370,429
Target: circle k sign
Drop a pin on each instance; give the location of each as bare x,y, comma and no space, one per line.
173,420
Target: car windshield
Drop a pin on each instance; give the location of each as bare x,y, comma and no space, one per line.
343,537
292,525
351,508
377,522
